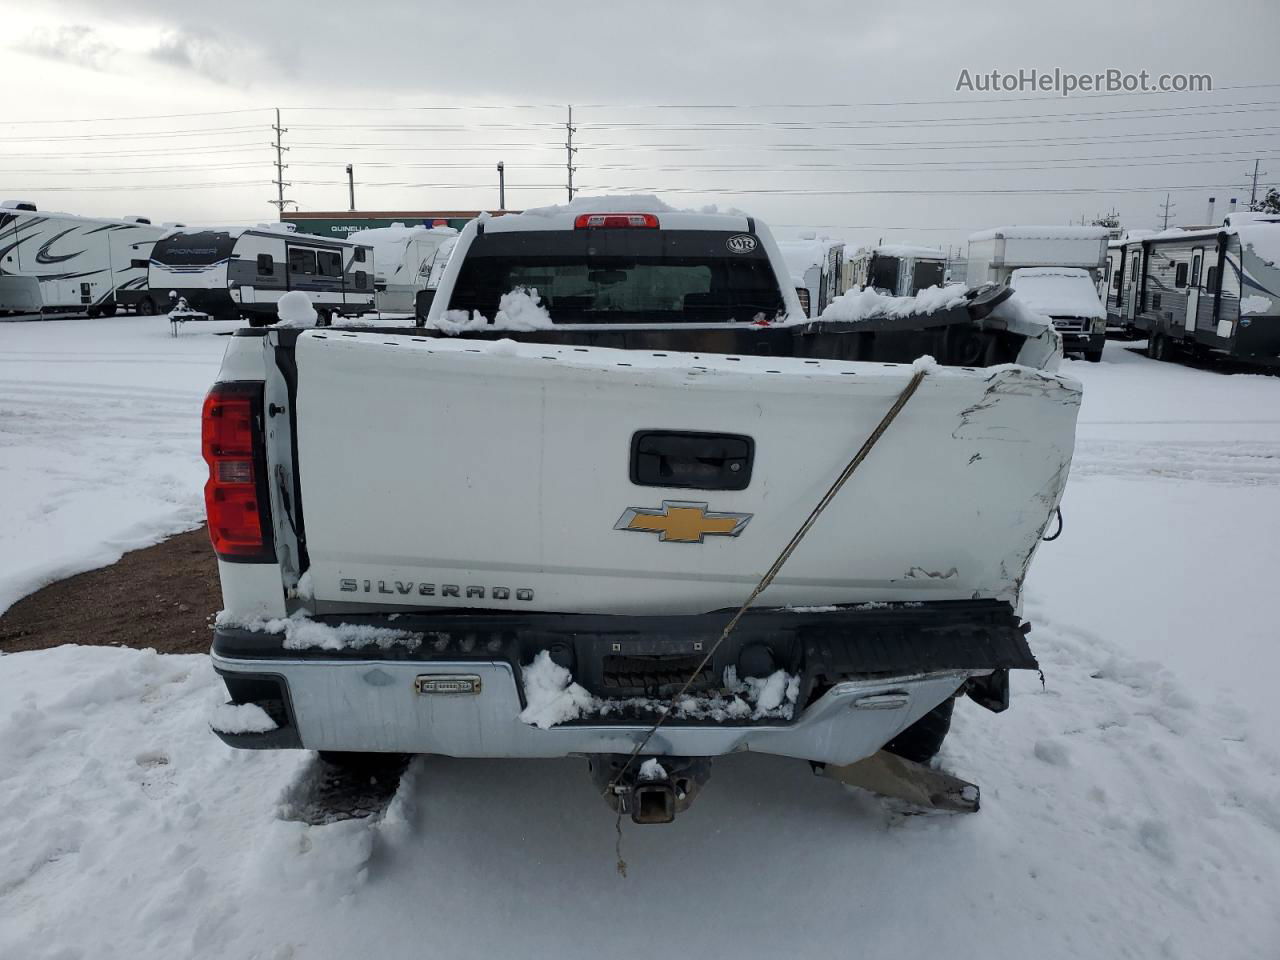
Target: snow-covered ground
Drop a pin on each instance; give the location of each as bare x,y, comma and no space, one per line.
99,441
1131,806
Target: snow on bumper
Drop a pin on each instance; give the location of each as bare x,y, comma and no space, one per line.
829,684
374,705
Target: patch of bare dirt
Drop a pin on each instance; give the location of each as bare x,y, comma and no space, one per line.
162,597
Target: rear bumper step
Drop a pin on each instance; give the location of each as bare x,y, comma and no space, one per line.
606,652
865,674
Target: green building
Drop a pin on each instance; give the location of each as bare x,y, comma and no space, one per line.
341,224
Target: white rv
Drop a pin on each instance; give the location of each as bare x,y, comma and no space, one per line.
1208,292
405,257
898,269
230,273
60,264
817,271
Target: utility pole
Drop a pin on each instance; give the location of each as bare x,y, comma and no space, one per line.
1168,206
1253,192
351,186
570,130
502,187
280,202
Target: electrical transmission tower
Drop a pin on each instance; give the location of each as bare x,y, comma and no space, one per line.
280,202
1167,207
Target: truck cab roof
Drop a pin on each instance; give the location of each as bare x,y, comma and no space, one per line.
565,216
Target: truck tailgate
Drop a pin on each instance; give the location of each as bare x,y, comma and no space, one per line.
460,473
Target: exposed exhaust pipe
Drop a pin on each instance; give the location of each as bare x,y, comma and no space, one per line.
1208,217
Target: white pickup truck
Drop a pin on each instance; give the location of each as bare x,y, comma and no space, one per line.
520,529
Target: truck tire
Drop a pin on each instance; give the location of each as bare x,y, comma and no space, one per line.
108,309
923,739
1093,356
324,318
146,307
92,312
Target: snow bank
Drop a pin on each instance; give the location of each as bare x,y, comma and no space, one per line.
295,310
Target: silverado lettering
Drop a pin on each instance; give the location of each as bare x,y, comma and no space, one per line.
348,585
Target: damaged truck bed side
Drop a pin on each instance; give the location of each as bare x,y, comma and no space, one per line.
495,539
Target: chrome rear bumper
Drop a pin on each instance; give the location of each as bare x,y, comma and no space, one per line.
375,706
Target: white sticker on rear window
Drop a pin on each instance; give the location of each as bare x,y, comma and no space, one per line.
742,243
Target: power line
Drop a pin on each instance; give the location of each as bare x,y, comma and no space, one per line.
1012,164
256,147
153,116
1167,113
845,105
902,191
118,171
136,135
146,186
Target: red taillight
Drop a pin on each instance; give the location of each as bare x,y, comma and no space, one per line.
610,220
234,497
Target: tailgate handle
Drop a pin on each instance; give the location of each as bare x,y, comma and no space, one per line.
696,461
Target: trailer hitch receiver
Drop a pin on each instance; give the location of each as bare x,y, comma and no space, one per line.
649,790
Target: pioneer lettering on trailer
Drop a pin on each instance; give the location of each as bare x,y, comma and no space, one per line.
454,590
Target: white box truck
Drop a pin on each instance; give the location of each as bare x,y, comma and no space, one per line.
1055,269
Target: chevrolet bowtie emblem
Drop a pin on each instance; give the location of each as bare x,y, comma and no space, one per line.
679,521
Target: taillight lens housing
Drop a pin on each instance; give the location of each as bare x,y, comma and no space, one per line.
235,495
612,220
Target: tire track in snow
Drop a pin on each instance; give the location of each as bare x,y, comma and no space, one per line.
1215,461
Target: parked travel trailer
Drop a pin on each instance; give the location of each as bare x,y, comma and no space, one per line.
1119,285
405,257
898,269
243,272
59,264
1213,291
817,271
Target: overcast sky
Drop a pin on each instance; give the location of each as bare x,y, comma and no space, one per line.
790,110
